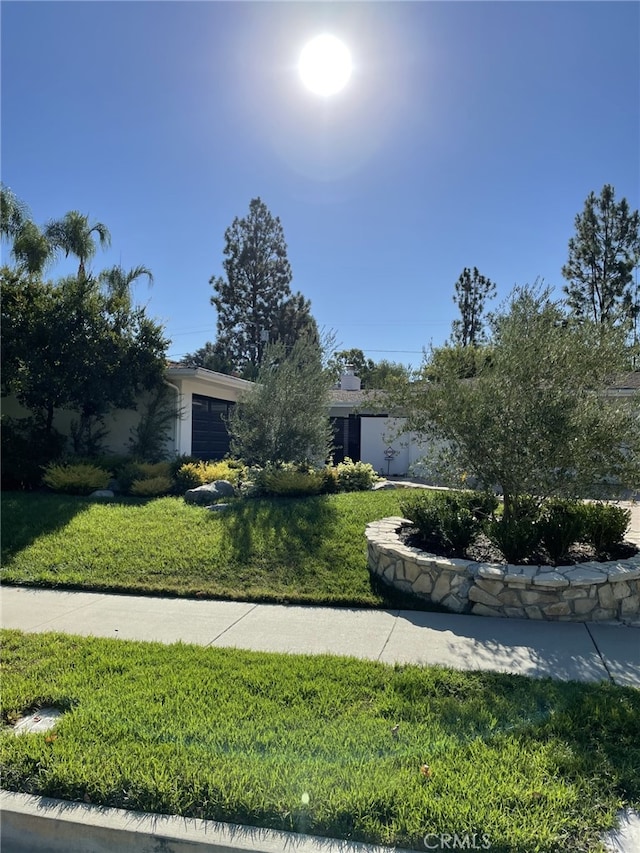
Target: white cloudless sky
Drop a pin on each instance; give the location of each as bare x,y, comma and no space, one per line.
469,134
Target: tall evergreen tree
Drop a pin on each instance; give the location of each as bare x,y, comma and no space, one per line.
472,291
602,256
254,301
211,356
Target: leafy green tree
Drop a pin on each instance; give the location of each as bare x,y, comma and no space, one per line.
602,256
385,374
211,356
285,416
64,348
74,235
471,292
537,418
373,375
254,301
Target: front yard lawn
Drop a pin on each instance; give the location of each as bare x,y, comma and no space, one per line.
307,743
295,550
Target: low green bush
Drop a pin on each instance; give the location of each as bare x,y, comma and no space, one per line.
193,474
151,487
355,476
292,480
444,519
561,524
75,479
518,536
132,471
605,525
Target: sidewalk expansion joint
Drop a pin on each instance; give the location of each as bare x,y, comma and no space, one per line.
232,625
393,628
599,653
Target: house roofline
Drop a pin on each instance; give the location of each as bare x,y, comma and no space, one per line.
209,376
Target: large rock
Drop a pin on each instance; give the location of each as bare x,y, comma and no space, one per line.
225,488
208,494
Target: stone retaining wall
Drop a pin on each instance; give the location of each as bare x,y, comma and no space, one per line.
580,593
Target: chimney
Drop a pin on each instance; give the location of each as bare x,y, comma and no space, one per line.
349,381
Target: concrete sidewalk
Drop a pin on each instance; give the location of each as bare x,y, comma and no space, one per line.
561,650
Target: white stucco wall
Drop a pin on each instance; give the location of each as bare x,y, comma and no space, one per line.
118,424
377,434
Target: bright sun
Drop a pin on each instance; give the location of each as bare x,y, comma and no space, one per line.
325,65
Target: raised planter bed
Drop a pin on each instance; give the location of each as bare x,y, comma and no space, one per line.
584,592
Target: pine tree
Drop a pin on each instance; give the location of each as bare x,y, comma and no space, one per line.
254,301
472,290
602,256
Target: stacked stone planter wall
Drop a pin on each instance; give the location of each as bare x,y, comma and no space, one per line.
581,593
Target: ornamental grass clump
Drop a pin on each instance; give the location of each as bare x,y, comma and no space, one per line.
75,479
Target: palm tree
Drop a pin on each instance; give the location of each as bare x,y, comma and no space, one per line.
13,213
31,249
73,234
117,283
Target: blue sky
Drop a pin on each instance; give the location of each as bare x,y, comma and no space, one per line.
469,134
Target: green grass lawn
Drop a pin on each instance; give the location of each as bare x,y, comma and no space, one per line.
297,550
534,765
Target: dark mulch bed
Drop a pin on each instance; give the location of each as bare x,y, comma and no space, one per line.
483,551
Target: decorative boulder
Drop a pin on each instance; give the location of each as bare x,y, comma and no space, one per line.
102,494
225,488
206,495
202,495
384,484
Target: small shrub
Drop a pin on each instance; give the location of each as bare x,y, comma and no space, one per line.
605,525
561,524
355,476
292,480
151,487
194,474
76,479
516,537
330,486
133,470
444,522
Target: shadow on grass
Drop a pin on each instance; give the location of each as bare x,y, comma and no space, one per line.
27,515
286,529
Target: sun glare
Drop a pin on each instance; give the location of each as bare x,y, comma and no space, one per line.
325,65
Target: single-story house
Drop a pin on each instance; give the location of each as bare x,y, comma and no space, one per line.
363,430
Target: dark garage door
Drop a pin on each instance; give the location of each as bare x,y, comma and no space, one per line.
209,436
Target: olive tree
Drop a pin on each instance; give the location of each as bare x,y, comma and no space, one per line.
285,415
538,418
